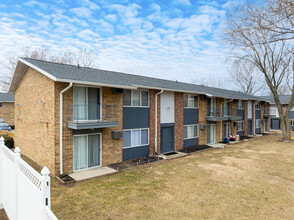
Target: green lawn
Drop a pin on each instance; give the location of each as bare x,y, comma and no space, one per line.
250,180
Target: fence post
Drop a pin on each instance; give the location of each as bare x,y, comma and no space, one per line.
16,157
46,187
1,179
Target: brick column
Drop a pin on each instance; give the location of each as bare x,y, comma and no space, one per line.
245,118
179,121
261,117
253,117
202,136
152,94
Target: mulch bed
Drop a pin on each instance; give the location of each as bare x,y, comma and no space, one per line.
66,179
194,149
134,162
245,137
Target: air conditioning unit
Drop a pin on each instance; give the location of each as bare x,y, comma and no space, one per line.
203,97
202,126
116,134
117,91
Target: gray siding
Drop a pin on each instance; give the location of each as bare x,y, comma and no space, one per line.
275,123
191,116
190,142
257,114
135,152
240,133
249,126
291,115
135,117
240,112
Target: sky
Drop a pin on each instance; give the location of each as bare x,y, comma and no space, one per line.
175,40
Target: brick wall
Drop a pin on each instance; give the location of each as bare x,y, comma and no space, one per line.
7,112
262,117
67,137
112,149
35,125
202,138
179,121
152,94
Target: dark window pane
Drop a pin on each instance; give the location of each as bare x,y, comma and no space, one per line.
127,97
127,139
144,98
144,137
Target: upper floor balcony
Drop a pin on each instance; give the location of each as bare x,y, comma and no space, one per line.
91,116
222,114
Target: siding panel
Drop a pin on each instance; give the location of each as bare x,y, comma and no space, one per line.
190,142
135,117
191,116
135,152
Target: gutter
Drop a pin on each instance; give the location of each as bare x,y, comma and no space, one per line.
60,126
156,120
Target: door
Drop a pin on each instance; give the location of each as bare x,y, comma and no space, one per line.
249,127
167,140
265,125
86,151
93,104
211,134
227,128
211,107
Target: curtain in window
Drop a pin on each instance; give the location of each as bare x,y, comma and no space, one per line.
144,137
136,98
80,152
127,139
93,150
136,138
93,102
144,98
80,102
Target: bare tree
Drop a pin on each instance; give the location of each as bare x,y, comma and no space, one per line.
254,43
82,57
244,74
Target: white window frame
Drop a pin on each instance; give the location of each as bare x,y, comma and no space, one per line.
136,129
196,129
140,91
292,108
292,122
256,123
242,127
188,101
240,101
78,135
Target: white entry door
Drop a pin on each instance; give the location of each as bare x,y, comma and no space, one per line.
86,151
211,134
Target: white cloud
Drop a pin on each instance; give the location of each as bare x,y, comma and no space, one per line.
182,2
111,18
87,35
81,12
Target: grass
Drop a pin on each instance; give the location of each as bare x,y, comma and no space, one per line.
250,180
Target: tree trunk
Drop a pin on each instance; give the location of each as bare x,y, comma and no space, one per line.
285,127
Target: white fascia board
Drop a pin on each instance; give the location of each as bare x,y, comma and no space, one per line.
38,69
171,90
78,82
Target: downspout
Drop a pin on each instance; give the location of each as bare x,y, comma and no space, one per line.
221,121
156,120
61,124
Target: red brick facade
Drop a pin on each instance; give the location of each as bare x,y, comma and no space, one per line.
152,94
179,120
245,118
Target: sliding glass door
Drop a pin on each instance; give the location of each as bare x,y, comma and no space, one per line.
86,103
86,151
210,133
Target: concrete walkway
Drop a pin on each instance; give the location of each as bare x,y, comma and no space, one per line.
173,156
217,145
90,173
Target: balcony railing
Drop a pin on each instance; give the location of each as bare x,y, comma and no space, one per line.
218,114
91,116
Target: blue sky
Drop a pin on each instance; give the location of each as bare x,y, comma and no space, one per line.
177,39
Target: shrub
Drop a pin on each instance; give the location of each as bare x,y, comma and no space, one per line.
8,141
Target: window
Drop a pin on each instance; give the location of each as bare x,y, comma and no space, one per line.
292,108
240,104
273,111
257,106
240,125
1,104
190,131
265,108
292,122
136,98
135,137
190,101
257,123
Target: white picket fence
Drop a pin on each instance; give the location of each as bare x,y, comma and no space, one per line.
24,193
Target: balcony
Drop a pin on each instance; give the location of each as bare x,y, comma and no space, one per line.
91,116
222,114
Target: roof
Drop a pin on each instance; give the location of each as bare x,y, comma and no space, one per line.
284,99
83,75
6,97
